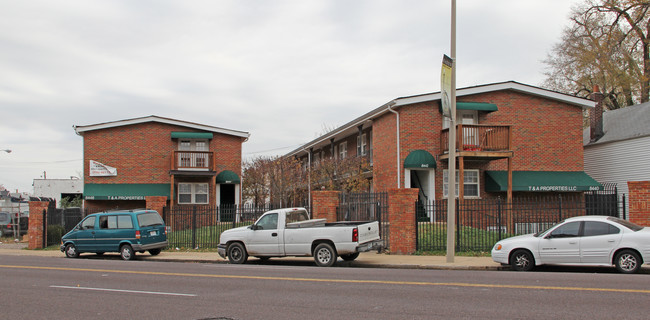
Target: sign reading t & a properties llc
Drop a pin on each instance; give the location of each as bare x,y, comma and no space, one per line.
101,170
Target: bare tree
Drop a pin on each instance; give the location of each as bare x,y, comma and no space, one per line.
606,44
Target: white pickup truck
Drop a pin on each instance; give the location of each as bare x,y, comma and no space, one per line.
290,232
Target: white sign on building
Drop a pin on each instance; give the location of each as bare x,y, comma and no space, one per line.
101,170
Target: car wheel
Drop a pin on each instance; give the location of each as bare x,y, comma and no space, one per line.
71,251
350,257
126,252
263,259
154,252
100,253
522,260
237,253
627,261
324,255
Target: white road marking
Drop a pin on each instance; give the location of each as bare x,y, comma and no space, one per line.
127,291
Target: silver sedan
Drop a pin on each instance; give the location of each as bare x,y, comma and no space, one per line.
585,240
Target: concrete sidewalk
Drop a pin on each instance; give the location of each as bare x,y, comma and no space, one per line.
365,260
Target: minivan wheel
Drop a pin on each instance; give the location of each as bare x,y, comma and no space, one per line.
71,251
154,252
126,252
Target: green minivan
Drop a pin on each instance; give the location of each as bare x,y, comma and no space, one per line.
123,231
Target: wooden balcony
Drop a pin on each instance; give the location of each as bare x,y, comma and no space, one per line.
192,161
479,141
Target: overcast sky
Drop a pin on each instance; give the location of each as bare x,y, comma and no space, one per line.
280,70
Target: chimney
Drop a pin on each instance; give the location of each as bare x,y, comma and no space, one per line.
596,115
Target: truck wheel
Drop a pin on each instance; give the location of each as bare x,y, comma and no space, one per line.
126,252
154,252
324,255
350,257
237,253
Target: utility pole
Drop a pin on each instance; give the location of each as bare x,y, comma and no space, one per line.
451,172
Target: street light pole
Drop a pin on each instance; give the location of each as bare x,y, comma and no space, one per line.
451,172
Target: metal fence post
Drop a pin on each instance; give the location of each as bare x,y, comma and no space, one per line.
194,227
559,197
499,216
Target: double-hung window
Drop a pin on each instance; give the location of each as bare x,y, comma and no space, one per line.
193,193
470,183
343,150
362,146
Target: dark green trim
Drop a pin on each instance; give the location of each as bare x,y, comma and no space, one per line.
541,181
124,191
191,135
479,106
420,159
228,176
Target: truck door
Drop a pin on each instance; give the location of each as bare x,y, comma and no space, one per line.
265,238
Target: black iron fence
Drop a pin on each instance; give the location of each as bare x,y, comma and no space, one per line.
60,221
197,227
480,223
365,207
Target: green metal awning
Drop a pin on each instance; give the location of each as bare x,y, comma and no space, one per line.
541,181
479,106
191,135
420,159
124,191
227,176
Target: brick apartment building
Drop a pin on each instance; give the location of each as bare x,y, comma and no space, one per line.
533,133
128,163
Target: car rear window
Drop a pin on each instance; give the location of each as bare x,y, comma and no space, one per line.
627,224
149,219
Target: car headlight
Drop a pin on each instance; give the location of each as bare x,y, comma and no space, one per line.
497,247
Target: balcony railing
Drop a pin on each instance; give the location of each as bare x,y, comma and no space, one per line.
193,160
478,137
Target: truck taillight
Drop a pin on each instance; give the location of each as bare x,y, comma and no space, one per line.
137,234
355,235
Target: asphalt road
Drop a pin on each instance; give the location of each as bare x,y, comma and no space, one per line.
47,288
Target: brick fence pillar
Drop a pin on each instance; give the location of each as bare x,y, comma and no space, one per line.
324,205
37,214
401,217
639,192
156,203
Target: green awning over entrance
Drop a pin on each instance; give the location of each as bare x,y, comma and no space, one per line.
227,176
124,191
541,181
479,106
419,159
191,135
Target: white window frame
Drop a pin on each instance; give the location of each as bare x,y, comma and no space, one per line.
465,117
361,142
195,190
343,150
445,183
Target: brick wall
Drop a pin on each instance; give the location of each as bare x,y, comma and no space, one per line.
401,216
639,192
37,212
142,153
547,136
156,203
324,205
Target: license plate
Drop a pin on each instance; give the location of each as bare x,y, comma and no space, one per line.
153,233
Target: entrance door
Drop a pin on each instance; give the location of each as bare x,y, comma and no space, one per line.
424,182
